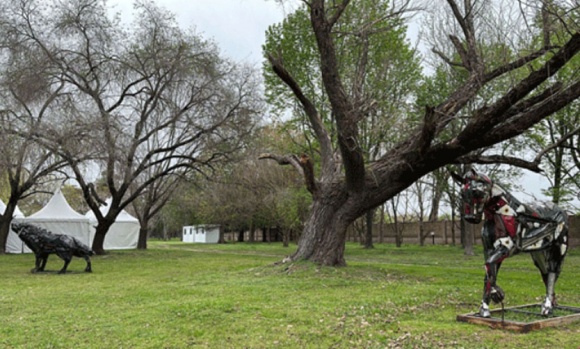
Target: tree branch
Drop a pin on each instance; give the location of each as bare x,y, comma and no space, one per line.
490,117
518,63
322,136
339,10
308,170
345,114
499,159
284,160
303,165
557,144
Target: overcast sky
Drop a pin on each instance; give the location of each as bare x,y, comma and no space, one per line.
237,26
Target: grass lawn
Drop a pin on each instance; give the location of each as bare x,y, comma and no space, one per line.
177,295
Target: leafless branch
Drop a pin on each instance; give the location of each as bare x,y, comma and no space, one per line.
499,159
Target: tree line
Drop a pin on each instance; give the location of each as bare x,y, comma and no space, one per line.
154,118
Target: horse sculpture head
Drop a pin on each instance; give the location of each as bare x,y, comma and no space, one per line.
475,193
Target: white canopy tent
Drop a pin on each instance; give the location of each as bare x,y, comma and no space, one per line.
13,244
123,234
59,218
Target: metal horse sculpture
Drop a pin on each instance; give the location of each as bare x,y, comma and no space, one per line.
511,227
43,243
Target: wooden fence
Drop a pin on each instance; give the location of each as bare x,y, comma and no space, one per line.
439,233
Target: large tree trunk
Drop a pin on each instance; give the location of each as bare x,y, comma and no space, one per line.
286,237
369,229
5,222
222,239
382,225
99,239
435,202
422,233
398,230
4,230
142,242
252,234
324,236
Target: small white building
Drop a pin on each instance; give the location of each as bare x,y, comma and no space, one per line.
204,233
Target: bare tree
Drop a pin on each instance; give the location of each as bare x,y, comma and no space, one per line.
347,187
420,193
32,98
159,101
151,201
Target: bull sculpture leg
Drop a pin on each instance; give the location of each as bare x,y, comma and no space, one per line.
89,268
37,263
66,257
40,262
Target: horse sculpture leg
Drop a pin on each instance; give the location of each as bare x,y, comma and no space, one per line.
540,261
493,259
488,283
549,263
495,251
491,291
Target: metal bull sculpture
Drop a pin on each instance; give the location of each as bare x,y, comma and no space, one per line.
511,227
43,243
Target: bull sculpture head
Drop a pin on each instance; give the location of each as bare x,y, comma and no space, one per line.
16,227
475,192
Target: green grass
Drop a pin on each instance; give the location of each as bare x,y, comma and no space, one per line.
177,295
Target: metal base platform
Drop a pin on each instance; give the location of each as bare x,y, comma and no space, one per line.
524,318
